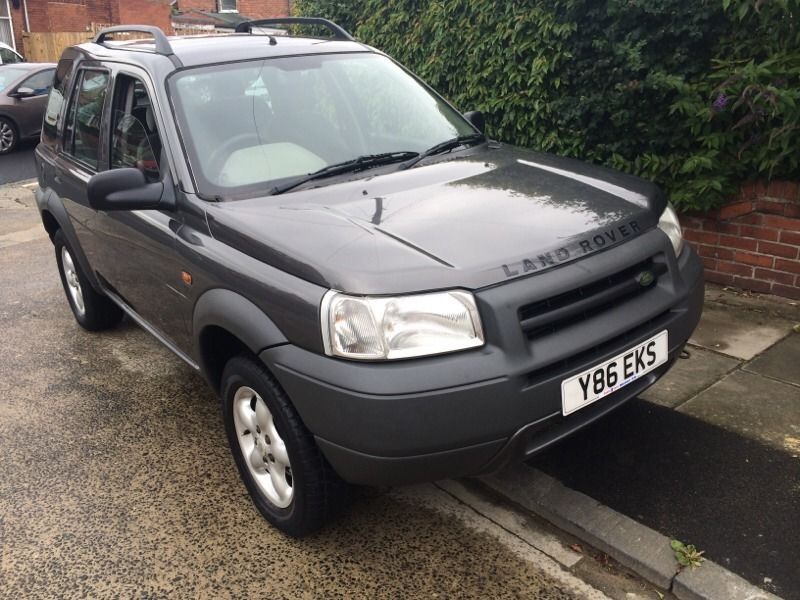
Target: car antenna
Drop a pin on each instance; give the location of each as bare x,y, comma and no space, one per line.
272,40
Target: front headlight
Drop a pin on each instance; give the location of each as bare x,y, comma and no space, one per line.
669,224
379,328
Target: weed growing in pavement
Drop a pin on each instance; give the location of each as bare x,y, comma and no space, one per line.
686,554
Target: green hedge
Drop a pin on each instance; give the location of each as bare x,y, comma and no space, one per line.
697,95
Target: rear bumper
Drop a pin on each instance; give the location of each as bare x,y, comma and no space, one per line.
471,412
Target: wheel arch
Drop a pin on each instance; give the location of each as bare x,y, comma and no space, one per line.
50,223
12,120
54,217
225,324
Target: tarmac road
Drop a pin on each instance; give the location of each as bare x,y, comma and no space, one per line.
116,478
18,166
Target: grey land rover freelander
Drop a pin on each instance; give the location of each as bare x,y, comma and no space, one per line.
379,293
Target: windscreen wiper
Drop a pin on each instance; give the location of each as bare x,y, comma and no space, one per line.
451,144
360,163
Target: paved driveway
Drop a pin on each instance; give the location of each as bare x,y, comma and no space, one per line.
116,479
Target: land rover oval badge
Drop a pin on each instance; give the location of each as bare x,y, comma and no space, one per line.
646,278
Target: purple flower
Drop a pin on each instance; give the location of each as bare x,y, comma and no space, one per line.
720,103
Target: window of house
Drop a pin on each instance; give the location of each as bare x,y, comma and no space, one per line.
7,35
134,137
40,82
82,133
227,6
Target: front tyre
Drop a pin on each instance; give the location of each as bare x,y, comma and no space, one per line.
93,311
287,477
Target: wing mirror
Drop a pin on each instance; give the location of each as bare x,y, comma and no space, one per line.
23,92
126,189
477,119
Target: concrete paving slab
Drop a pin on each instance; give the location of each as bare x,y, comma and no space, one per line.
738,333
689,376
785,308
757,407
782,361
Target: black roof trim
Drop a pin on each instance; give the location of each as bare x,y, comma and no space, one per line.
160,41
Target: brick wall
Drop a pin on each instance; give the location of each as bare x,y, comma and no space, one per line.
256,9
264,9
78,15
753,242
146,12
209,5
67,16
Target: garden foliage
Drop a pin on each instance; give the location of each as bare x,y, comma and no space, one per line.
697,95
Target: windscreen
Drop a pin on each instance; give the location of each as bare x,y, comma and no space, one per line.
250,125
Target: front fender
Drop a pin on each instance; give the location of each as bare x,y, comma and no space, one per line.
235,314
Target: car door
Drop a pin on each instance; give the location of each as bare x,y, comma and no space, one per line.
30,109
79,152
136,253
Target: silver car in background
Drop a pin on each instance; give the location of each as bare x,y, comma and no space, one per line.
23,98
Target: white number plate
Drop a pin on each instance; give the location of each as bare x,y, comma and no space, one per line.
606,378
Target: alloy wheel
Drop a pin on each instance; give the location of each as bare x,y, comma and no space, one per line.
262,447
73,283
7,136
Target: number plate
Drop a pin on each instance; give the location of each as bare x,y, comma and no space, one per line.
601,380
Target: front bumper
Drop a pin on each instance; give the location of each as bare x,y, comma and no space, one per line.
471,412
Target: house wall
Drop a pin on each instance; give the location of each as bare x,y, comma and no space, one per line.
256,9
264,9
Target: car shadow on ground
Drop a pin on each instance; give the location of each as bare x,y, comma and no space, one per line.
731,496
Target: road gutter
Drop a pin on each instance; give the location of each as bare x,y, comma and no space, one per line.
639,548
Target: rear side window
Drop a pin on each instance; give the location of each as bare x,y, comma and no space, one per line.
82,131
55,101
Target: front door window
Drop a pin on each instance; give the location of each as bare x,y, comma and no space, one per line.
134,137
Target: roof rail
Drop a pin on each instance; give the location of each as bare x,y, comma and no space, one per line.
338,32
161,42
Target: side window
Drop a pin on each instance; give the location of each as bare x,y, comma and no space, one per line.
134,137
8,57
56,100
39,83
82,133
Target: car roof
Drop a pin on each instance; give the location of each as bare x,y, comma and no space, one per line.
25,69
32,66
210,49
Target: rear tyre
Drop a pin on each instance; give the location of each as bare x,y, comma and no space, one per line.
8,136
93,311
288,478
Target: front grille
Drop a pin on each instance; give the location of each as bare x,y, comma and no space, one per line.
599,353
546,317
